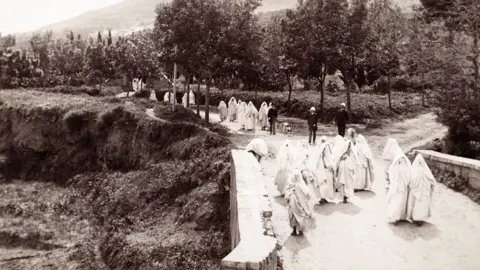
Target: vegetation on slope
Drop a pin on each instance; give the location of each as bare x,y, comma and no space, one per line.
152,193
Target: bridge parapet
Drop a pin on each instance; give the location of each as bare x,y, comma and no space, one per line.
464,167
254,245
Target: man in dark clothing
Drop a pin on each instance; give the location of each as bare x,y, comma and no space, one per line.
312,125
341,119
272,119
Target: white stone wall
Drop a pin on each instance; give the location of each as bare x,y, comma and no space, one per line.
253,240
465,167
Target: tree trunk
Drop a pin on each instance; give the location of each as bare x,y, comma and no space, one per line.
198,96
423,90
207,101
389,91
256,90
289,92
476,64
128,86
321,87
349,99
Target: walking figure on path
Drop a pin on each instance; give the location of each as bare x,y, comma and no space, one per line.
341,119
272,119
312,125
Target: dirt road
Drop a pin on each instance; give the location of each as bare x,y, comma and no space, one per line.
356,235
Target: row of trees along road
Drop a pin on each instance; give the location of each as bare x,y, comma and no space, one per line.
223,42
218,40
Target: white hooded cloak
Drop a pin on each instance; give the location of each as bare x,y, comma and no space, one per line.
365,175
259,146
262,115
232,109
345,163
166,97
285,159
184,100
390,152
300,203
222,108
241,110
325,172
251,116
191,98
397,194
421,188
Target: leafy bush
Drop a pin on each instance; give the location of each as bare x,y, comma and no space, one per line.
332,87
461,115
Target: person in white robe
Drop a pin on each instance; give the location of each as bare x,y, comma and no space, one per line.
241,110
184,100
345,163
251,115
259,148
222,108
390,152
325,172
166,97
135,86
421,188
397,189
285,159
366,169
232,109
300,204
191,98
351,135
262,116
302,152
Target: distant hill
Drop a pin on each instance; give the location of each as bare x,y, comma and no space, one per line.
131,15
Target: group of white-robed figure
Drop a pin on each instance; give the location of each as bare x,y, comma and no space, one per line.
306,177
168,97
410,186
246,114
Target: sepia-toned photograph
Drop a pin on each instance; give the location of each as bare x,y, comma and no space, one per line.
240,134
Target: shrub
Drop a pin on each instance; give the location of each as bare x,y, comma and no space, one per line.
460,114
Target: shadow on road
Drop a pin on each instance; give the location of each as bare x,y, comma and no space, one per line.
297,243
328,209
365,195
410,232
281,200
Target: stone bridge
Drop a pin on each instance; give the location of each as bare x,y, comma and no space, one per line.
354,235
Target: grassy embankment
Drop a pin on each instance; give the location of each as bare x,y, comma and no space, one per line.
92,182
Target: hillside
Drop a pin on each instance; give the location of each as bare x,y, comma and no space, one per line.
130,15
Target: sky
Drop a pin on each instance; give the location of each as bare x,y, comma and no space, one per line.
28,15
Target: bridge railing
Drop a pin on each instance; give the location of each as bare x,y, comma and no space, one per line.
464,167
253,241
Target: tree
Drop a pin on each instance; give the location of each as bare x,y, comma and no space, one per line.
388,31
317,38
109,39
351,51
199,33
95,64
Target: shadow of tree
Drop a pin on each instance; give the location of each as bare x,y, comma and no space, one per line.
409,231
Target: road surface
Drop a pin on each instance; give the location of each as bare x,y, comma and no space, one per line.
356,235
